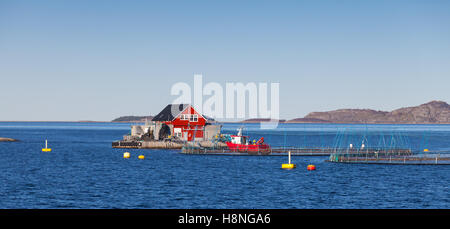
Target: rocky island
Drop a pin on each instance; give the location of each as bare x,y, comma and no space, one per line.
133,119
7,140
435,112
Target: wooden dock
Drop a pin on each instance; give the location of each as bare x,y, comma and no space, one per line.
147,145
164,144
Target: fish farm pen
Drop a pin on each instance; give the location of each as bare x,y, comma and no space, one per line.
382,148
341,146
420,159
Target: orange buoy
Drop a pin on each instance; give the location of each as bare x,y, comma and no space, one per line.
311,167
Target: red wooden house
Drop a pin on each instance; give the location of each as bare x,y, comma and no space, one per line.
183,120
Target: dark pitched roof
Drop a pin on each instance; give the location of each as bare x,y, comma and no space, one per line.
170,112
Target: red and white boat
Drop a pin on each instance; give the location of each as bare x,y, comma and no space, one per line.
240,143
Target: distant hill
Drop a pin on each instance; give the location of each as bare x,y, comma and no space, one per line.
307,120
435,112
259,120
133,119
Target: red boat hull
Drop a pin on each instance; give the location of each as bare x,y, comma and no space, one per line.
248,148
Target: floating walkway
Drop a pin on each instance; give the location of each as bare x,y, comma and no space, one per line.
271,152
389,149
415,159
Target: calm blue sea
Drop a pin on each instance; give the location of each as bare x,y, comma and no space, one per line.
83,171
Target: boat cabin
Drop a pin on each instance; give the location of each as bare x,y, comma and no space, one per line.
238,139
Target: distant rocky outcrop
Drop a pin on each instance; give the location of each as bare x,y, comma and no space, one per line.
307,120
133,119
7,140
259,120
435,112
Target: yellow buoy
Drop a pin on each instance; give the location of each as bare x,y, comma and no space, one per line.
46,149
426,150
126,155
141,157
289,165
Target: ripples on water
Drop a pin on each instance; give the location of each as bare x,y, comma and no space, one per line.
83,171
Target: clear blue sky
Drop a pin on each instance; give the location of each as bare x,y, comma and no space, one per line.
97,60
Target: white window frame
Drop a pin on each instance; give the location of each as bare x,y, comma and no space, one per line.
178,132
193,118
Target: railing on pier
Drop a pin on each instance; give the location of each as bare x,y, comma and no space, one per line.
428,159
280,151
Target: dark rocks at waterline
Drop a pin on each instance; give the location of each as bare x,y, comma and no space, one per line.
8,140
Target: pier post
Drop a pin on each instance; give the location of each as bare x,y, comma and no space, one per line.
289,157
